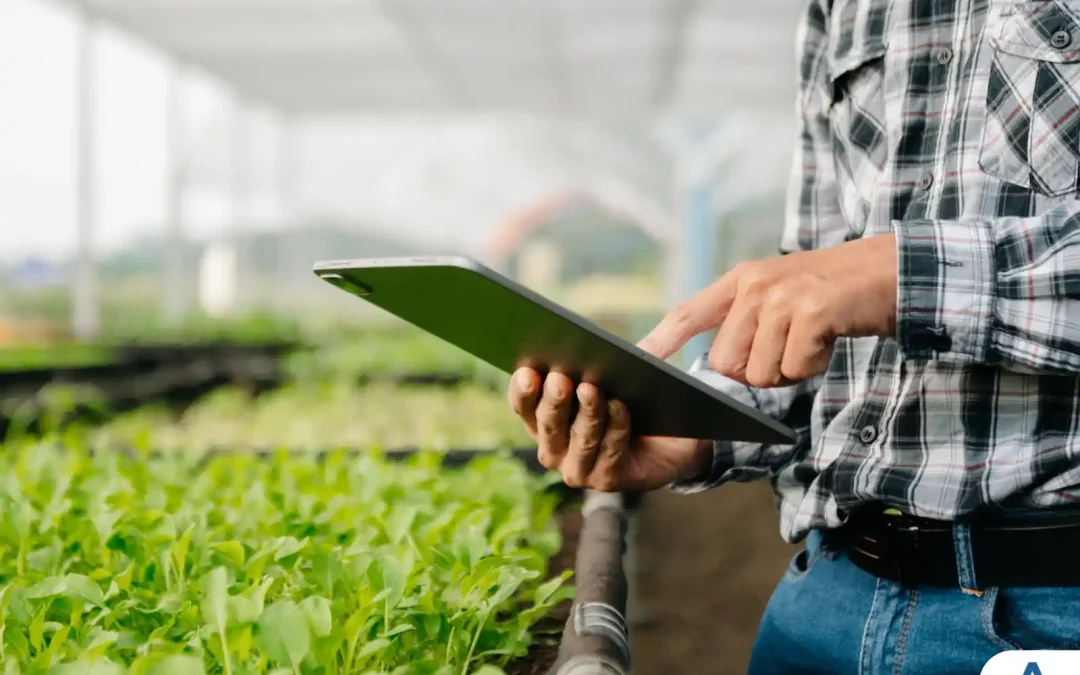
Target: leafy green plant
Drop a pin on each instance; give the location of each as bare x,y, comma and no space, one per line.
375,353
332,414
182,564
72,355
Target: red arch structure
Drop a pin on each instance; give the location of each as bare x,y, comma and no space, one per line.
518,225
513,229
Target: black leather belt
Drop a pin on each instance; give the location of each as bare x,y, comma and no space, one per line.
1013,551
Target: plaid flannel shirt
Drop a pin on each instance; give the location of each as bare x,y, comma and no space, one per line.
954,124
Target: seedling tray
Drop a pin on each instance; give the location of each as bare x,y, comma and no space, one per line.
427,379
130,383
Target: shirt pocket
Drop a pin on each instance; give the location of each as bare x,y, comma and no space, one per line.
857,118
1032,133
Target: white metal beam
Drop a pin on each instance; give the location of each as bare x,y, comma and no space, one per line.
679,13
86,318
549,23
175,280
419,43
292,258
239,190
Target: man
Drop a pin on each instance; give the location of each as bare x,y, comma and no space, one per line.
922,334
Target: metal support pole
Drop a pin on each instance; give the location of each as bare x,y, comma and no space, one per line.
289,266
239,196
86,319
701,232
175,281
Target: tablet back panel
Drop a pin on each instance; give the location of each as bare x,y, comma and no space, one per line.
508,326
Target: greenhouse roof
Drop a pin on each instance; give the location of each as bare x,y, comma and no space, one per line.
596,58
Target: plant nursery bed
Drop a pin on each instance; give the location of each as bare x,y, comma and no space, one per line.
88,392
141,563
326,415
545,650
423,379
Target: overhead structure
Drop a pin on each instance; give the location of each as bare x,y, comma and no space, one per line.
596,58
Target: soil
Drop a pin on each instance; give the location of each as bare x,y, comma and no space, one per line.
706,566
545,650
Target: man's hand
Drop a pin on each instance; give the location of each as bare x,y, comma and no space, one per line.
778,318
595,450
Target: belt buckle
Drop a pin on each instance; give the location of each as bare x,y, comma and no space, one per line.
902,542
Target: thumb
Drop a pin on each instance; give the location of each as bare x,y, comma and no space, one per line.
702,312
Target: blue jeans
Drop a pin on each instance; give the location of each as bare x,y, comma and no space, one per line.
828,616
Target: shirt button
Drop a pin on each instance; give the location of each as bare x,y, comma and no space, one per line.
1061,39
868,434
944,55
939,338
926,181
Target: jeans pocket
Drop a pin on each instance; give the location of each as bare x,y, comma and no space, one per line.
1032,618
803,561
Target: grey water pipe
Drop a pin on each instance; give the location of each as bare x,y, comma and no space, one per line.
596,640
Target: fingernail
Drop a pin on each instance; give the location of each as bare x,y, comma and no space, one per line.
525,383
552,389
583,397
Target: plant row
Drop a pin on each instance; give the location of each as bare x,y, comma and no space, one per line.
326,415
179,564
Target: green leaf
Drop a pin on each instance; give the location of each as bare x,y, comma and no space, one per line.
374,647
100,641
547,589
19,607
75,586
170,603
232,551
214,598
44,559
123,581
88,666
15,640
180,548
288,546
247,607
177,664
399,521
37,629
241,642
284,634
317,609
387,576
214,607
57,644
326,570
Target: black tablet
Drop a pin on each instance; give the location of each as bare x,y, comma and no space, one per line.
509,326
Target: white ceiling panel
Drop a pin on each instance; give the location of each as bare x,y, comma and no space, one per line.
614,58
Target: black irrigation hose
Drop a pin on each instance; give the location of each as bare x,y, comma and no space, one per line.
596,640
